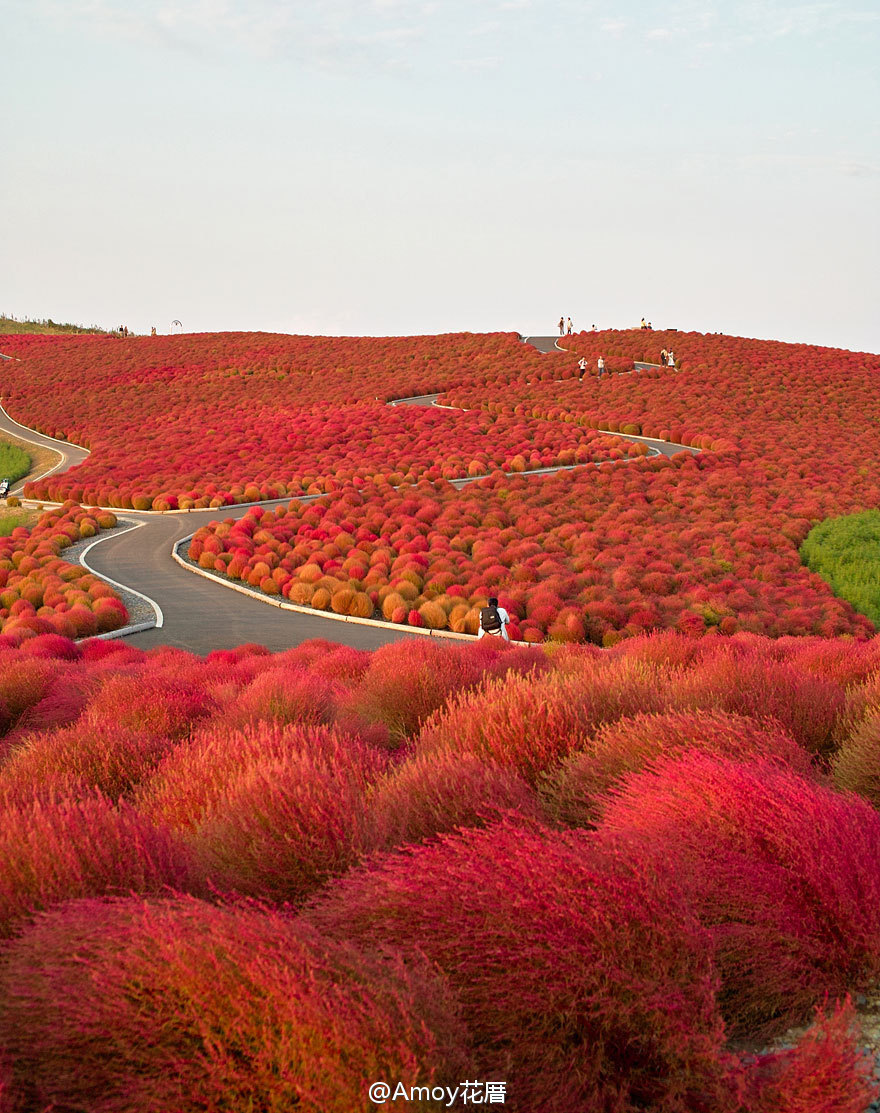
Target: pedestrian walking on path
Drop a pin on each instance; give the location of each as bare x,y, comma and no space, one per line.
568,326
494,620
562,326
600,366
582,364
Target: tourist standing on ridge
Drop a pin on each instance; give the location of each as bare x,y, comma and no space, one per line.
568,326
494,620
562,326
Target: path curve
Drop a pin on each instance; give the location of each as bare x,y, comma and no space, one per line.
199,613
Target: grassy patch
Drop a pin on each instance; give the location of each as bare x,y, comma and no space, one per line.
845,552
14,461
10,519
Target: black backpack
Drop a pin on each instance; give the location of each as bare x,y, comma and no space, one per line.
490,620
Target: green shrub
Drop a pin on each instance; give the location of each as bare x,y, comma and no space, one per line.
845,552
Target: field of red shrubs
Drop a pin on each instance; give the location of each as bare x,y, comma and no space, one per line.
602,877
42,594
700,544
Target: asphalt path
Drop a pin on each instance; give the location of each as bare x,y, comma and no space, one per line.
199,614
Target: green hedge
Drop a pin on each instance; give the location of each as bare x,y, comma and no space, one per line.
14,461
845,552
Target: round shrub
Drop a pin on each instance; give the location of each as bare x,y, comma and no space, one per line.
75,761
58,849
572,791
784,871
584,984
149,702
282,828
408,680
179,1005
431,793
193,781
825,1072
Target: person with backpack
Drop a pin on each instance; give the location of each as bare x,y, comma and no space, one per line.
494,620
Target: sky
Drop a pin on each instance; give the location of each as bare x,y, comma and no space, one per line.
391,167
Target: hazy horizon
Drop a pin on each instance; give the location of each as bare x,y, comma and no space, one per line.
375,167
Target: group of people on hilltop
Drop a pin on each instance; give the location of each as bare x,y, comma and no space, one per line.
565,326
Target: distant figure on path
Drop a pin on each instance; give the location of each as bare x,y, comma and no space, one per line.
582,364
568,326
595,329
670,359
562,326
664,358
600,366
494,620
153,331
644,323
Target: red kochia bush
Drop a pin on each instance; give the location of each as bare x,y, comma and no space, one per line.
74,761
193,781
431,793
784,871
529,722
825,1072
149,702
283,827
583,980
285,695
571,792
408,680
176,1006
56,850
807,705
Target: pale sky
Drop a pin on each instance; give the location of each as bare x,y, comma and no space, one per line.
398,166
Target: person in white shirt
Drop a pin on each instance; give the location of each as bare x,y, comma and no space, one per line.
568,326
600,367
582,364
494,620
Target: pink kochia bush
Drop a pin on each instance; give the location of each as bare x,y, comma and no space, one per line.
175,1006
431,793
529,722
58,849
271,811
586,983
573,791
783,871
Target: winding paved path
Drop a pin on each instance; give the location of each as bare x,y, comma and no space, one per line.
198,614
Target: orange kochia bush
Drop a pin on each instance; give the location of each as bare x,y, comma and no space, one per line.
43,594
